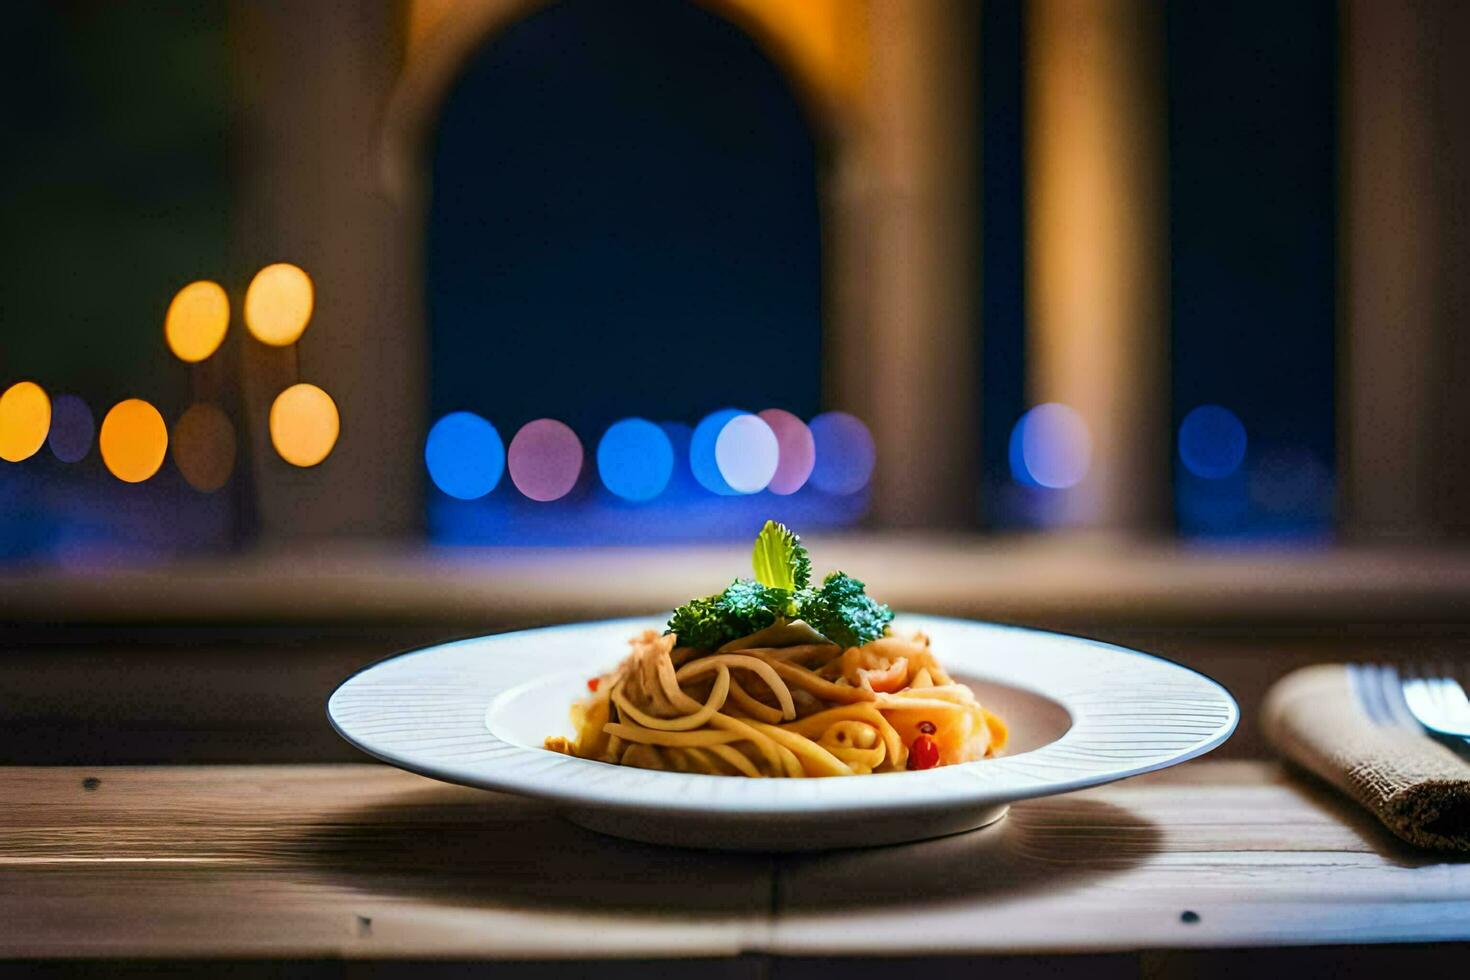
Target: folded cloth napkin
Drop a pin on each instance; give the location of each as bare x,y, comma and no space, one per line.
1349,725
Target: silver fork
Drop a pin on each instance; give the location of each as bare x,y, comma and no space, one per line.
1438,702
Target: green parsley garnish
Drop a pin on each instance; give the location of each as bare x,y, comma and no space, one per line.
781,592
779,559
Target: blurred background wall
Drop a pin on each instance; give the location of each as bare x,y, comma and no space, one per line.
1188,269
333,327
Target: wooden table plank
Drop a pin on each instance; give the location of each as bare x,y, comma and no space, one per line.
363,861
342,861
1205,855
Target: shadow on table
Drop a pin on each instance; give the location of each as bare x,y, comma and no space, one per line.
1364,824
466,847
1058,842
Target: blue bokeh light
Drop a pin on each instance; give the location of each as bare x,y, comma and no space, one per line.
702,460
465,455
1212,442
635,459
845,453
72,428
1050,447
1016,455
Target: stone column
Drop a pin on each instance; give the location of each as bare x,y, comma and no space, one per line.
312,82
903,270
1404,358
1096,247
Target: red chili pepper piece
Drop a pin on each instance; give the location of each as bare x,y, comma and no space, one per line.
923,753
927,727
592,684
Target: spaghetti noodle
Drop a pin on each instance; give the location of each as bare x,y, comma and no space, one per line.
782,701
778,676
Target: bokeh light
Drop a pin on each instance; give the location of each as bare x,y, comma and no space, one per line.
845,453
304,424
746,452
545,459
203,447
465,455
702,462
133,440
635,459
196,321
1291,480
72,428
1213,507
1050,447
1212,442
25,418
278,304
798,451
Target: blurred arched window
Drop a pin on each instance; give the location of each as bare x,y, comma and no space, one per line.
624,222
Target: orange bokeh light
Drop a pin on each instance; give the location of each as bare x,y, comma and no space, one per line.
196,321
304,424
25,419
133,440
204,447
278,304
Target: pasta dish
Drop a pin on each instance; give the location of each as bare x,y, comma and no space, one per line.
778,677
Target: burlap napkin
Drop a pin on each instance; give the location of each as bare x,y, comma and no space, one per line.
1349,726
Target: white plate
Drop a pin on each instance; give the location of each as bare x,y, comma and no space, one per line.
1080,713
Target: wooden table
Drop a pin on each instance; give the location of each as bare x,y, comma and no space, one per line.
330,863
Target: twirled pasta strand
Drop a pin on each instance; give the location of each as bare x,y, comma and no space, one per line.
661,710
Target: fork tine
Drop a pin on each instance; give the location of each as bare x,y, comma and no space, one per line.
1437,701
1454,701
1417,698
1398,702
1440,682
1420,699
1381,692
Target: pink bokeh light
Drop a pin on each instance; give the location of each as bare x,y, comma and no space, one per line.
545,459
798,451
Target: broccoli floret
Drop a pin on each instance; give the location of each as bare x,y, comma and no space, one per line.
842,612
755,605
700,623
743,608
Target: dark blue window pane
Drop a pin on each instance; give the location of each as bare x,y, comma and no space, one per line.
623,223
1252,194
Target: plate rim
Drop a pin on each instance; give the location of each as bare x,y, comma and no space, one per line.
788,797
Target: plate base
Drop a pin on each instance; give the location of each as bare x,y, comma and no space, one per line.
735,832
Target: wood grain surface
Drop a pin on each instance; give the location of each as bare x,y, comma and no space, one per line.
365,862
